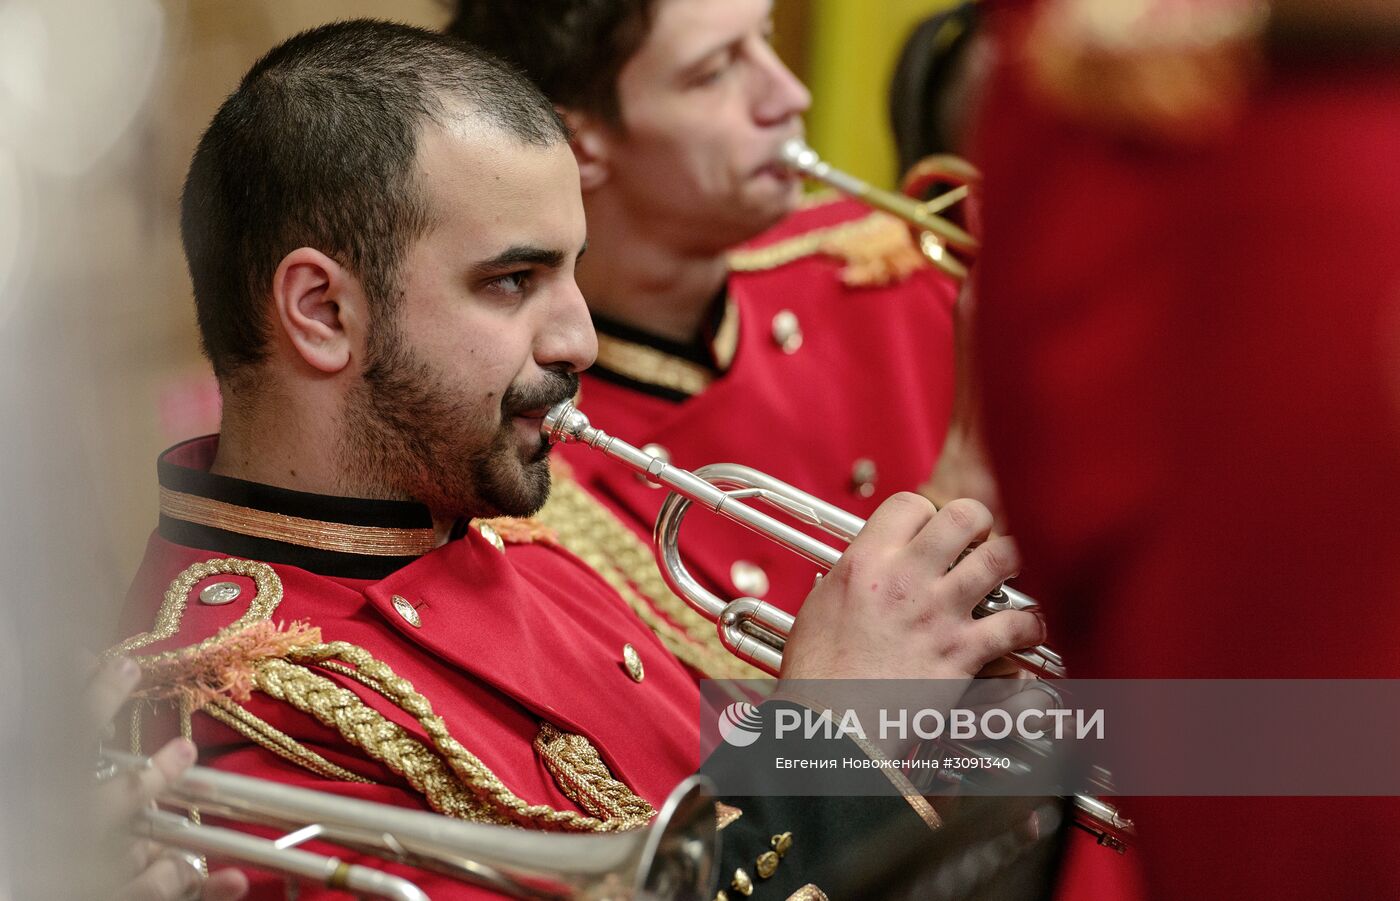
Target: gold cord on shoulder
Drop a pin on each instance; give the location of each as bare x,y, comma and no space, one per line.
581,774
454,780
263,733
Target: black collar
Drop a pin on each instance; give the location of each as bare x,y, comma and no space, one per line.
339,536
672,370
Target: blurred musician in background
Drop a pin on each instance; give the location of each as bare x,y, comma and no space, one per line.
382,226
733,323
1190,324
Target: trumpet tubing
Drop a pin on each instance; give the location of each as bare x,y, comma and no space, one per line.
752,630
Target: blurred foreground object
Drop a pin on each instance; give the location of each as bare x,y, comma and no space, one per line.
1199,437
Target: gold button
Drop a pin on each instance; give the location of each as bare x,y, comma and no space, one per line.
863,476
659,453
749,579
633,662
220,593
767,864
407,611
491,535
782,843
741,883
787,331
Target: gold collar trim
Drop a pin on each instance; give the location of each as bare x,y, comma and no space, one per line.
643,363
313,533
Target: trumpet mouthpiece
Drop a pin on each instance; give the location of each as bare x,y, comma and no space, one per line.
564,423
797,155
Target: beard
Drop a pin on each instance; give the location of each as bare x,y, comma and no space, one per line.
408,433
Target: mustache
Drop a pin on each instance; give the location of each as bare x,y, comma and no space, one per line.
554,387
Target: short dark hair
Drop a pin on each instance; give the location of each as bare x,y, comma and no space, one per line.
572,49
316,148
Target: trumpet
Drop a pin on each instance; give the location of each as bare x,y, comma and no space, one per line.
938,236
673,857
750,629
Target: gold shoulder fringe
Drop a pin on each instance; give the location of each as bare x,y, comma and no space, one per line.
877,249
591,532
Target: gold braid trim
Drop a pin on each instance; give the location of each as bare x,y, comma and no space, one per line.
456,783
590,530
264,734
579,770
172,608
379,737
655,367
877,249
327,536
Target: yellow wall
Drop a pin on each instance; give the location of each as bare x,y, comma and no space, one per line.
852,46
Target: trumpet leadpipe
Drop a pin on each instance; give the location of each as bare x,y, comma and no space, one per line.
799,157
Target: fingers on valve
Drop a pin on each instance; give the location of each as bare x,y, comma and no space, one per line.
985,568
1007,631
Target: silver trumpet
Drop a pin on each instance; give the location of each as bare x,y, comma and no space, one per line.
674,857
941,236
752,630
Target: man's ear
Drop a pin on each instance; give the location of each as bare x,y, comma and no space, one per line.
320,308
590,139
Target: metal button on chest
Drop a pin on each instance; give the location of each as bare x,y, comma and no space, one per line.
863,477
220,593
660,453
407,611
749,579
787,331
633,662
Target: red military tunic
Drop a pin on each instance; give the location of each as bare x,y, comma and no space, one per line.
844,391
1194,418
503,639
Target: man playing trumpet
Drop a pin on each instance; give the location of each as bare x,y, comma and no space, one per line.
732,325
382,227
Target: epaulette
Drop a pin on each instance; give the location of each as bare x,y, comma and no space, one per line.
213,675
877,249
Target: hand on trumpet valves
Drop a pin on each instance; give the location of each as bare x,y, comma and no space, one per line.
899,602
148,872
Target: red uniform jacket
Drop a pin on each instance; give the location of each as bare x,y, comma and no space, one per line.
503,638
844,391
